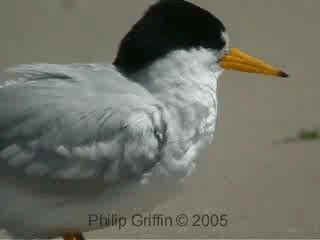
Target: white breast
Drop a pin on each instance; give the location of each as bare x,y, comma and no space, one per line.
186,84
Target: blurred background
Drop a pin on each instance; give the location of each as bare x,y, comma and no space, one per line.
262,170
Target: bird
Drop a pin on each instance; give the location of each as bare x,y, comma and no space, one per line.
81,140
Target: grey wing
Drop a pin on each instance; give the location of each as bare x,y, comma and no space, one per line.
75,122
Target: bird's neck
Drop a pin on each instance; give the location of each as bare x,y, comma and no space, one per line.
186,82
183,77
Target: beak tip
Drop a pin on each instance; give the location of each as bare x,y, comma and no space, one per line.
283,74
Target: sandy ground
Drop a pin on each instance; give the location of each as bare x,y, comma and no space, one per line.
267,190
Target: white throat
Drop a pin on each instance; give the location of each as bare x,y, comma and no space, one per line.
186,82
181,70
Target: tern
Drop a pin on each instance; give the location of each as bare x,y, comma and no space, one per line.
79,140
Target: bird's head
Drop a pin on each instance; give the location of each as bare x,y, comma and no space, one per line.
170,25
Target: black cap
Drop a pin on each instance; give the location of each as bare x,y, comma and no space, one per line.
168,25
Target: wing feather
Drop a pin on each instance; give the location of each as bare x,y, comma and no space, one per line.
76,122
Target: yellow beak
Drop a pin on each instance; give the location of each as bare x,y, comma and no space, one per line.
240,61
